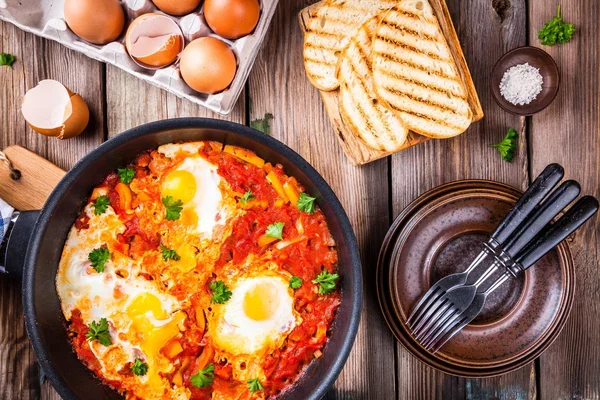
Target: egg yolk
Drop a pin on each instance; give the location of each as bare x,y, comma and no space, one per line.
181,185
261,302
187,261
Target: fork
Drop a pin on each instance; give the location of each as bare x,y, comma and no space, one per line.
458,299
550,237
541,186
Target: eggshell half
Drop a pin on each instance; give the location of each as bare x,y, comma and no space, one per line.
96,21
208,65
177,7
154,40
53,110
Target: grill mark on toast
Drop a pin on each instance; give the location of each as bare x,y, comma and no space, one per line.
334,36
320,62
414,49
394,25
431,103
318,47
426,117
408,63
409,14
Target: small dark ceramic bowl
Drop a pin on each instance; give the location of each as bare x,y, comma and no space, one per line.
537,58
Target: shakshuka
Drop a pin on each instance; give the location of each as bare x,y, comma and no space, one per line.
199,271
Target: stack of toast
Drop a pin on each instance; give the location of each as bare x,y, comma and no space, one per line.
392,67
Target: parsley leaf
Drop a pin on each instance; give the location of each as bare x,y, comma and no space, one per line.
204,377
99,331
98,257
126,175
139,367
221,292
295,282
275,230
326,282
173,208
7,59
169,254
508,145
306,203
247,197
556,31
262,124
101,204
254,385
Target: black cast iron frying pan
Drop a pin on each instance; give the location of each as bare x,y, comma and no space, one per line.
36,242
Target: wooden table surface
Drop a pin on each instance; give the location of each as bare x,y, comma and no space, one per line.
378,368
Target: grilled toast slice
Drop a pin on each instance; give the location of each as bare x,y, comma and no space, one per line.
414,73
360,109
328,32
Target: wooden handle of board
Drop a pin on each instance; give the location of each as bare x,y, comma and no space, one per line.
38,178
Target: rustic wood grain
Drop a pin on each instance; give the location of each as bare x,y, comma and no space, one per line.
37,59
357,151
485,33
568,132
278,85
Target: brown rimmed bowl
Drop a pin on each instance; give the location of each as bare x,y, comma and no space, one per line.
537,58
440,233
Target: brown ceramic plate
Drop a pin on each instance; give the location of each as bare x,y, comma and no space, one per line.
537,58
439,234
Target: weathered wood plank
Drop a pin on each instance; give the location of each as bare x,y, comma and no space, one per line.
278,85
37,59
568,132
486,29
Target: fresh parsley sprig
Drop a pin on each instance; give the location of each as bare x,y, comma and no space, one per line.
98,257
508,145
306,203
295,282
275,230
101,204
247,197
7,59
254,385
139,367
204,377
556,31
326,282
126,175
221,292
173,207
99,331
168,254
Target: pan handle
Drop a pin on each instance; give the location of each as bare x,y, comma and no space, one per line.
14,245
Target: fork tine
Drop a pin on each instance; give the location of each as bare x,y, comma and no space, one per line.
442,302
444,339
423,304
440,333
438,321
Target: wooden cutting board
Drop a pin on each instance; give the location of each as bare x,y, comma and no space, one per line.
358,152
38,177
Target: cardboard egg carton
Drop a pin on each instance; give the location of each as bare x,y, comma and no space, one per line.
45,18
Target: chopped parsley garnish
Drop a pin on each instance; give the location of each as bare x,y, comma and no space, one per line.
254,385
98,257
99,331
7,59
306,203
169,254
247,197
295,282
101,204
556,31
204,377
508,145
126,175
326,282
262,124
139,367
221,292
275,230
173,208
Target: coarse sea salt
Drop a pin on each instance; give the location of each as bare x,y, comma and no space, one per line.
521,84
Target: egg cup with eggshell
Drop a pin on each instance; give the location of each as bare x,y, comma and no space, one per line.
154,41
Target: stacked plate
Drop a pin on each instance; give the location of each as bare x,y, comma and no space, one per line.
440,233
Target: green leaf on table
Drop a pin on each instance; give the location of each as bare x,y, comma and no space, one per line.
263,124
7,59
508,145
556,31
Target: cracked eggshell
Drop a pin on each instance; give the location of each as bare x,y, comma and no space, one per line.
53,110
208,65
96,21
177,7
154,40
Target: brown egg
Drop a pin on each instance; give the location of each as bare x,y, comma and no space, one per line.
177,7
96,21
208,65
154,40
232,19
